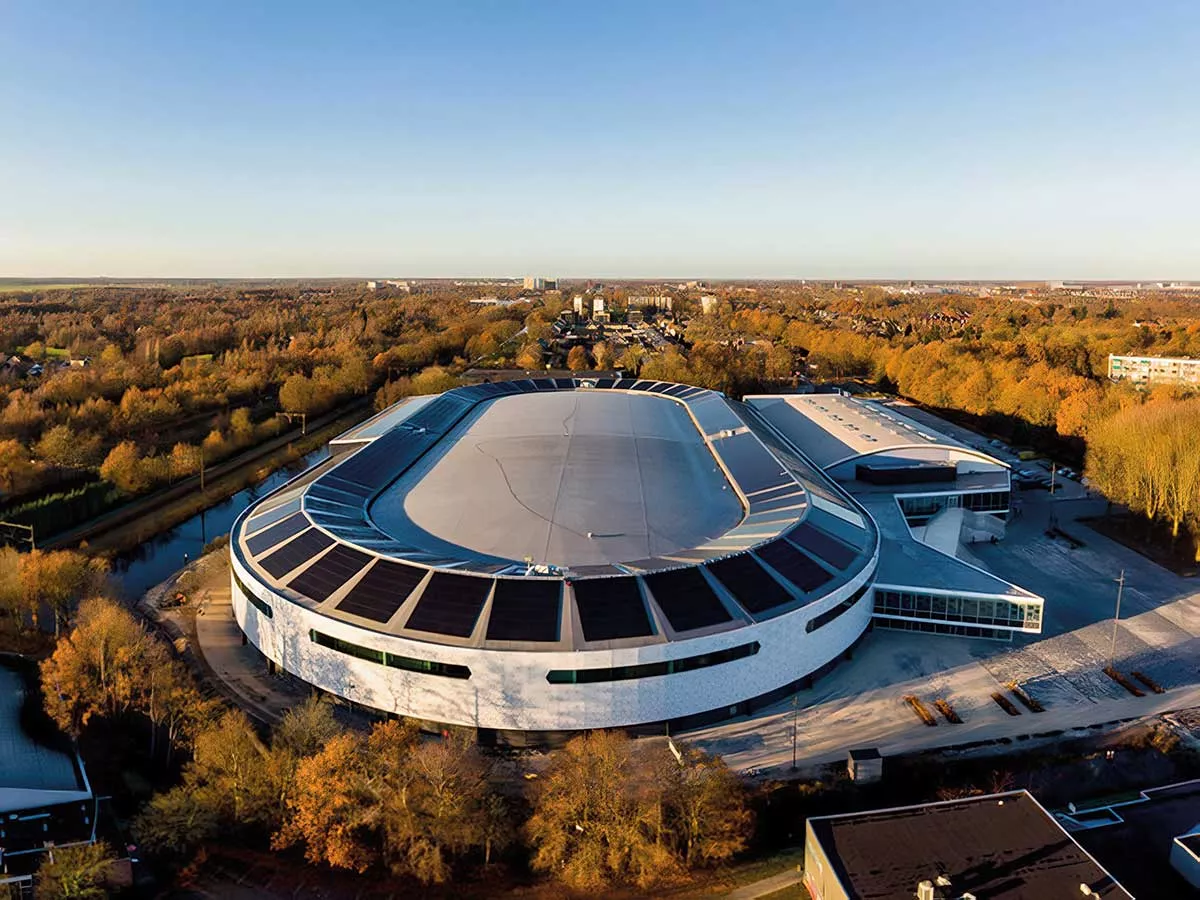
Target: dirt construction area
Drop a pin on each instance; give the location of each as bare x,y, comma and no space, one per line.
863,702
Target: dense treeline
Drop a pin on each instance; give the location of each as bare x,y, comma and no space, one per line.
1146,458
1033,371
164,380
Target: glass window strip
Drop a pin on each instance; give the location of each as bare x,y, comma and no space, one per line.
650,670
392,660
820,621
261,605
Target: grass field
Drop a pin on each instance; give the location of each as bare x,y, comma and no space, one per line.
20,287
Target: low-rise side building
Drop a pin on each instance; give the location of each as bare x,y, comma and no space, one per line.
1154,369
45,797
999,847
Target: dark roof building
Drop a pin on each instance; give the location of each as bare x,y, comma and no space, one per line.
45,797
999,847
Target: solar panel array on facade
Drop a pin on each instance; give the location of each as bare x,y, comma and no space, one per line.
382,590
450,604
296,552
525,610
687,599
611,608
749,582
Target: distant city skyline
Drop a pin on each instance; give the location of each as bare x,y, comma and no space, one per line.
1028,141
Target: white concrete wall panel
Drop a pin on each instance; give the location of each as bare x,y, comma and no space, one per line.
508,689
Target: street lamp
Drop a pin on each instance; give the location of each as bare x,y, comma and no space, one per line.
1112,656
795,714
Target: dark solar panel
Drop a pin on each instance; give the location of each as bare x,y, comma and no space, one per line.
295,553
749,583
440,414
643,386
525,610
686,599
793,565
383,460
450,604
524,386
677,390
611,608
752,465
823,545
565,384
382,590
603,383
486,390
625,384
544,384
507,387
329,572
289,527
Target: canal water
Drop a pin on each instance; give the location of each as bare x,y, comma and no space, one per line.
152,562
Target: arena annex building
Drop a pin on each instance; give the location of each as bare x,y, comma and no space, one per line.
534,557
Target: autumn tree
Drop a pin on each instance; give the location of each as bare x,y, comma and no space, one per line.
62,446
416,807
74,873
56,579
15,464
298,394
123,467
602,351
707,814
577,358
530,356
306,729
1145,457
332,814
108,666
594,821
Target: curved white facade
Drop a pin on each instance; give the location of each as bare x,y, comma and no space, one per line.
695,633
509,691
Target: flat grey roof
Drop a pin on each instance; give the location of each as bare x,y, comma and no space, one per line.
905,561
570,478
833,428
31,774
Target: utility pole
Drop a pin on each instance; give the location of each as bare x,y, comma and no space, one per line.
1052,471
795,714
1112,656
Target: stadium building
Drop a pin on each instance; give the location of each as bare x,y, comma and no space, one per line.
535,557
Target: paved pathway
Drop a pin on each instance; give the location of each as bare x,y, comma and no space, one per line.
767,885
207,624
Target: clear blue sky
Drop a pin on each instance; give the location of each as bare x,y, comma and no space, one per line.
792,139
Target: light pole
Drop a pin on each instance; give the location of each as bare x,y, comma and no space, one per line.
1112,656
795,714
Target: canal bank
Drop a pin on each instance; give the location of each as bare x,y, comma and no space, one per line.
128,526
